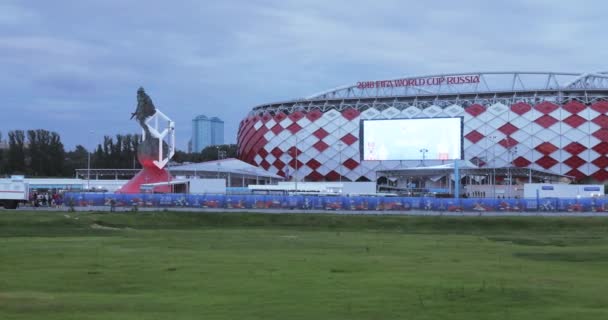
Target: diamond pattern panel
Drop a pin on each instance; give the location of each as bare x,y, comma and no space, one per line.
574,120
574,107
390,113
321,133
475,109
474,123
370,113
498,108
411,112
601,134
474,136
571,139
349,139
576,174
313,164
294,127
601,148
571,135
351,164
296,116
546,148
350,114
601,121
600,175
507,128
314,115
521,108
304,122
521,162
601,162
320,145
296,164
546,107
574,162
276,129
546,162
351,127
600,107
453,110
508,142
575,148
279,164
432,111
546,121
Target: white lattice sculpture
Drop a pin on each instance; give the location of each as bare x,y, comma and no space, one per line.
162,128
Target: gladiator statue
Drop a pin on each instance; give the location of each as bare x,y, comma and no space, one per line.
145,109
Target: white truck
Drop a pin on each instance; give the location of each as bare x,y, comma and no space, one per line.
13,191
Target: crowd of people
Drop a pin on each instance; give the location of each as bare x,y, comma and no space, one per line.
45,199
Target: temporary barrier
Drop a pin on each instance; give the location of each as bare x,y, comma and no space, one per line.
334,203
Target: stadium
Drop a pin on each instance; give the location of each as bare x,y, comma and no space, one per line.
549,121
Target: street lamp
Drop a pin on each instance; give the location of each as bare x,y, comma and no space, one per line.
89,164
512,153
340,144
493,179
295,173
423,151
169,178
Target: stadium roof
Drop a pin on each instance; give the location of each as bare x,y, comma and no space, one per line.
231,165
470,169
453,86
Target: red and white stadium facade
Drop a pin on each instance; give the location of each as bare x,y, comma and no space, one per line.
547,121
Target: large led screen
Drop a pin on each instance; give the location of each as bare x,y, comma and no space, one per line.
411,139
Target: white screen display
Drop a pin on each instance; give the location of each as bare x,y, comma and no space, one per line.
403,139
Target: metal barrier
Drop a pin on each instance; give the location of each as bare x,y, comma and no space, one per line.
354,203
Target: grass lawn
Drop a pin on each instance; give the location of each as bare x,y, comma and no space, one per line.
252,266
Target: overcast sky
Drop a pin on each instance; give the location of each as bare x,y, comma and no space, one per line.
74,66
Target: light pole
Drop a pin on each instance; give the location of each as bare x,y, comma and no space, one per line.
89,164
423,151
295,174
340,144
493,180
169,178
512,154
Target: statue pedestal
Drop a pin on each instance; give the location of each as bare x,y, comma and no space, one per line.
149,174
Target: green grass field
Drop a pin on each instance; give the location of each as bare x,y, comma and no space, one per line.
253,266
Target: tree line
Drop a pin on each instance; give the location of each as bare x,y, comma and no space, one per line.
40,153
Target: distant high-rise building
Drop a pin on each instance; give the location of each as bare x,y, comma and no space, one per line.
206,132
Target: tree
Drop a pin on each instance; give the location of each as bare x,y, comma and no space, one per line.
120,154
16,152
2,162
75,160
56,155
45,153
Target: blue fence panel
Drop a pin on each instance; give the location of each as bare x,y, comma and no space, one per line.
333,202
235,202
599,205
212,201
337,202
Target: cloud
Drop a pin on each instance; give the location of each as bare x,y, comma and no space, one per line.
222,58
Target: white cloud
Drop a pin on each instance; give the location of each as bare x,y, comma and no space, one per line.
222,58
